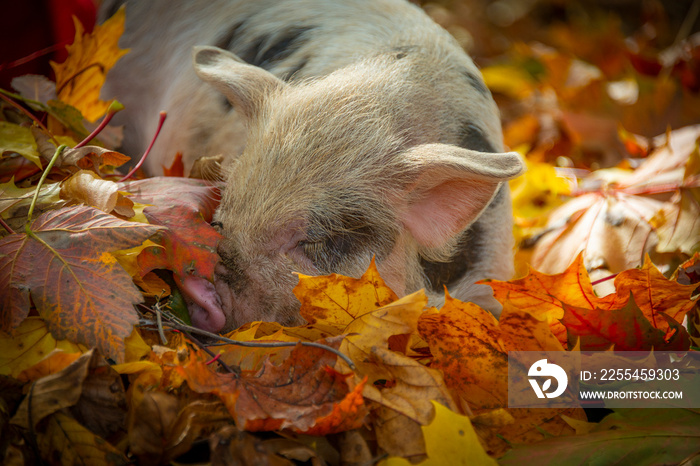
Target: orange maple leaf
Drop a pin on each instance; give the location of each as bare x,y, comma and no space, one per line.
545,297
80,78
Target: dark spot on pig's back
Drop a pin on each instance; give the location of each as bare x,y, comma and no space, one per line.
468,252
476,82
264,51
402,51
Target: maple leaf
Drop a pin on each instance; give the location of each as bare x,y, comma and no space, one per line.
331,302
467,344
624,329
616,222
545,296
185,206
78,288
311,397
80,77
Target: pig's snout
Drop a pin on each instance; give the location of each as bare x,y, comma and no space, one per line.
203,303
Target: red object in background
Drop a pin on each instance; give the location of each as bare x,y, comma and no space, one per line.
42,27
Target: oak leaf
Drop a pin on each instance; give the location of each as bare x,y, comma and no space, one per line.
80,77
78,288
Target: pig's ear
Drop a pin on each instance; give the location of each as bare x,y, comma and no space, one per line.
245,86
450,188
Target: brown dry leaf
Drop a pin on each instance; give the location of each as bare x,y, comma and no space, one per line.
398,435
309,398
449,439
333,301
160,428
92,156
86,187
230,446
55,391
63,437
80,78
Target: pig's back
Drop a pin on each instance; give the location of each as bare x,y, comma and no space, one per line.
293,39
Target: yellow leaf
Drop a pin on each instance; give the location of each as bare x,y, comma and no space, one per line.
30,343
80,78
15,138
331,302
449,439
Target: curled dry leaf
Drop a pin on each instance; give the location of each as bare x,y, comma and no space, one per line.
88,188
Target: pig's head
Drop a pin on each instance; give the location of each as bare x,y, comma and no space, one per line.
336,170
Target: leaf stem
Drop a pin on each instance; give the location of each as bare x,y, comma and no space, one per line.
48,168
6,226
605,279
114,107
150,146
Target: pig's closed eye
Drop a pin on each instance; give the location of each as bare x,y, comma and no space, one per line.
217,225
312,249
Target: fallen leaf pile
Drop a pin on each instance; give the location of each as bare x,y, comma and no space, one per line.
99,363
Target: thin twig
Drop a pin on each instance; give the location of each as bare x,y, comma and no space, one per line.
258,344
148,151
